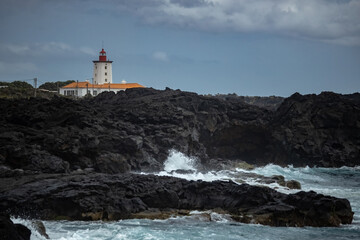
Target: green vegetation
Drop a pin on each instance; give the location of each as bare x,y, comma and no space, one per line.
19,89
16,89
17,84
54,86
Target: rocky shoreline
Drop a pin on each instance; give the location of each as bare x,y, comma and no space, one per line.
134,130
74,159
95,196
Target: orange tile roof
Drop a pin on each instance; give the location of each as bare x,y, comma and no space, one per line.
106,85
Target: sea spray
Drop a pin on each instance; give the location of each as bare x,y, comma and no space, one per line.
181,166
177,160
32,225
340,182
189,228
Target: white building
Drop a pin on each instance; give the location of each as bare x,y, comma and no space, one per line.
80,89
102,82
102,69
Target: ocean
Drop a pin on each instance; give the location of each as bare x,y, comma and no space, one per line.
341,182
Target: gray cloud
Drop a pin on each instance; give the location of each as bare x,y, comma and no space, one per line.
47,48
334,21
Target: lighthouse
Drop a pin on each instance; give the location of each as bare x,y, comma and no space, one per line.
102,70
102,81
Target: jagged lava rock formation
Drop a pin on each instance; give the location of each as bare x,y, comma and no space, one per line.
95,196
322,130
134,130
58,157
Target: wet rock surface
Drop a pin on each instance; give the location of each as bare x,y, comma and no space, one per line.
40,228
95,196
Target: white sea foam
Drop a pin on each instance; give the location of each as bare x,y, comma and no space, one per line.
188,228
35,235
177,160
327,181
341,182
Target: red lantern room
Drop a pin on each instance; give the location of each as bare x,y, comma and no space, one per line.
102,56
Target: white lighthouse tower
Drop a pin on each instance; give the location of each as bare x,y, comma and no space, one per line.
102,69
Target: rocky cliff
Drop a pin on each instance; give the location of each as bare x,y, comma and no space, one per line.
322,130
64,158
134,130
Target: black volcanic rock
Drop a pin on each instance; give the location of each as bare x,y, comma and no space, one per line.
138,128
53,151
322,130
96,196
11,231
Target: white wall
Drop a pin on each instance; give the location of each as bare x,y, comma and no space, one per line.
100,71
62,91
81,92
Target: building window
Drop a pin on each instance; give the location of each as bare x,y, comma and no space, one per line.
106,74
69,93
105,79
105,67
94,92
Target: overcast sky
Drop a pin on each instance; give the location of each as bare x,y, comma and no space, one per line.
247,47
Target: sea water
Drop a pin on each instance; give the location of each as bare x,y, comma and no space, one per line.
339,182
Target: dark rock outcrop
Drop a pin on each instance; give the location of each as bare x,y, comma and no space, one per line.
270,103
292,184
40,228
104,196
138,127
11,231
53,151
322,130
